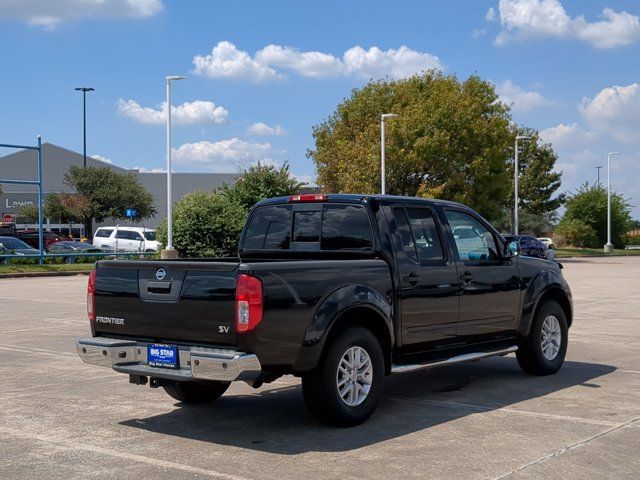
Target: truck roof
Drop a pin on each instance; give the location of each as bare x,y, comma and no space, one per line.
358,198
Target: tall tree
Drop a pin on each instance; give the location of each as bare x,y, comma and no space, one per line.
108,194
448,141
261,181
589,206
452,139
538,181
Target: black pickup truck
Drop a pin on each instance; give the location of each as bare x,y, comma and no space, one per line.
340,290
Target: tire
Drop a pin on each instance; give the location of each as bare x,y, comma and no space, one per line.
196,392
320,387
532,357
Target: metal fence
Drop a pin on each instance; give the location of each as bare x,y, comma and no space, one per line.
70,257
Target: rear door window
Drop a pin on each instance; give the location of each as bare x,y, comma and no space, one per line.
103,233
270,229
332,227
346,227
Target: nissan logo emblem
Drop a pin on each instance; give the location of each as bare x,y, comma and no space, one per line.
161,273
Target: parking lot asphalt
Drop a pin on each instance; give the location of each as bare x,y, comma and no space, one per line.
60,418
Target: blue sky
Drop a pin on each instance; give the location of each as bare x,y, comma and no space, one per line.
570,68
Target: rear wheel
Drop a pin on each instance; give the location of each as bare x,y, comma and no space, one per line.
345,388
196,392
543,351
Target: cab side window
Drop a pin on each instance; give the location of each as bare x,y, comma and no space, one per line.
418,233
473,240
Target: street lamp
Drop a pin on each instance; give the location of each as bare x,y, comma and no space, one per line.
169,251
608,248
383,119
84,91
516,175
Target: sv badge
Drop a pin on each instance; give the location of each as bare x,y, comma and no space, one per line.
222,329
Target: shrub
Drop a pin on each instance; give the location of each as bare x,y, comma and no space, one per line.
576,233
205,224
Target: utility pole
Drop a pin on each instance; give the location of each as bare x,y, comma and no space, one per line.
598,168
84,91
383,165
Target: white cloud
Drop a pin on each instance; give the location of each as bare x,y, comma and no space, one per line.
264,129
531,19
51,13
521,100
491,15
198,111
222,156
307,64
306,180
274,61
226,61
151,170
567,135
101,158
615,110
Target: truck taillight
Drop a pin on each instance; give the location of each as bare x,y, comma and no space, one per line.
248,303
91,290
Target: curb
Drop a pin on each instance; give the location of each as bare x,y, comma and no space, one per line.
43,274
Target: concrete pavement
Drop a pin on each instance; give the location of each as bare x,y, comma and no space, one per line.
61,419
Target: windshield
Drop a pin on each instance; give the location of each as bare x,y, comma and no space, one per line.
150,235
13,243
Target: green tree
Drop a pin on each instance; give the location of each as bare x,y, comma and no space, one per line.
576,233
589,205
205,224
452,140
107,194
259,182
537,181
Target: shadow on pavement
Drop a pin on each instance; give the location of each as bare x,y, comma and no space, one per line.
275,420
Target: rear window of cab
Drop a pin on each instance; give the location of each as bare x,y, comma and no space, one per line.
329,227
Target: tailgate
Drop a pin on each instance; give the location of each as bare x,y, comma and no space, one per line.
182,301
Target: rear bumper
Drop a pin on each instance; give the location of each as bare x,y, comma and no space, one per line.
195,363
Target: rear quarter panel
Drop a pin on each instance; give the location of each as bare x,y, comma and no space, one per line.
299,305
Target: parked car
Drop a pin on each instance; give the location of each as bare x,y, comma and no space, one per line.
72,247
340,290
31,237
547,242
529,246
126,239
13,245
7,229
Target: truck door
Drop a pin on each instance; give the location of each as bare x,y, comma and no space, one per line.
489,283
427,283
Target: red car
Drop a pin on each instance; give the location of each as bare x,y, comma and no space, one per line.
31,237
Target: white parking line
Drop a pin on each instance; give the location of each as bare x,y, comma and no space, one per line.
155,462
37,351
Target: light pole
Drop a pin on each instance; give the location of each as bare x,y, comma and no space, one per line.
515,183
598,168
84,91
169,251
608,248
383,166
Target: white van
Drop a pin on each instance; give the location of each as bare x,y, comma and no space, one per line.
126,239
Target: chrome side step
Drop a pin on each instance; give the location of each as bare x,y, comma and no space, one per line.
451,361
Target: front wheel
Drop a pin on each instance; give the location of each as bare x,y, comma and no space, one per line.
543,351
196,392
345,388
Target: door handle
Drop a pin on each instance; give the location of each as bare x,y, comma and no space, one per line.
412,278
466,277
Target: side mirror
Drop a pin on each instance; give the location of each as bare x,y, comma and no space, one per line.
511,249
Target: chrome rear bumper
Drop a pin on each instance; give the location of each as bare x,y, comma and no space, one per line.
195,363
